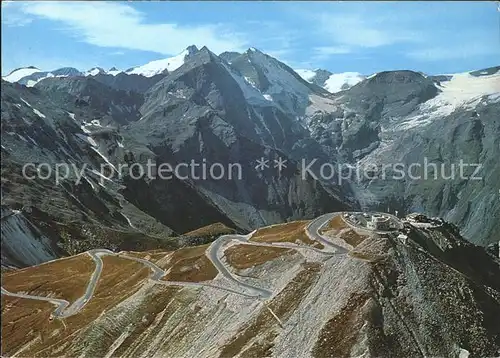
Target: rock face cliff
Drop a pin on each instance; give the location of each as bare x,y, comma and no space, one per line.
432,143
199,112
452,141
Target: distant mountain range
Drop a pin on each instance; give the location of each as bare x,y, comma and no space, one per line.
332,82
29,76
238,108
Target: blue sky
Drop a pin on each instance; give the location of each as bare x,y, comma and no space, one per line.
366,37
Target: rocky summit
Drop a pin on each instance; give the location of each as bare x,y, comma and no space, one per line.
228,205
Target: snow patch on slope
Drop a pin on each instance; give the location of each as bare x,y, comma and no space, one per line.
336,82
98,70
104,158
114,72
307,75
250,92
128,220
38,113
462,91
87,139
16,75
32,83
462,88
26,103
284,85
94,71
339,81
159,66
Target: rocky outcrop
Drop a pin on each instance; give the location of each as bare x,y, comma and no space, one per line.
22,242
102,102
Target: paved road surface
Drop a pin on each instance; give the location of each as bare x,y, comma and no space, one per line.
60,303
214,253
312,230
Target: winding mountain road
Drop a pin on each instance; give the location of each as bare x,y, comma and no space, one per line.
312,231
60,303
214,253
76,306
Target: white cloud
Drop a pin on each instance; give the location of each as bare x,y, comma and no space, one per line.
332,50
14,20
321,53
274,38
305,36
368,31
279,54
119,25
453,52
358,31
425,33
12,17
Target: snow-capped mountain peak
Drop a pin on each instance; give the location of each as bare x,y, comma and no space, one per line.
276,81
19,73
159,66
253,49
341,81
307,75
113,71
94,71
332,82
